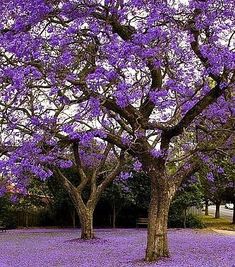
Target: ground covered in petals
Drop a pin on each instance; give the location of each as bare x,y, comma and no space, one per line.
114,248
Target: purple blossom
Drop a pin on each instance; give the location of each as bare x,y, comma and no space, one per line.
95,107
187,166
220,170
126,140
157,153
121,95
125,175
35,121
2,190
137,166
99,133
210,177
65,164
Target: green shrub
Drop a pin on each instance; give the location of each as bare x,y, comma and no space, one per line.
9,220
193,221
177,221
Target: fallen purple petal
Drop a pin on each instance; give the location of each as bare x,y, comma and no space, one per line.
112,248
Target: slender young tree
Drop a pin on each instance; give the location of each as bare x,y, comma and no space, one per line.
93,177
144,76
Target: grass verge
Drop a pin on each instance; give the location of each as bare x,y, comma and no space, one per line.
219,224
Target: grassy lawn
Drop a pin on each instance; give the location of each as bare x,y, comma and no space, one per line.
220,224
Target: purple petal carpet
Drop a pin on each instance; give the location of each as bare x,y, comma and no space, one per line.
112,248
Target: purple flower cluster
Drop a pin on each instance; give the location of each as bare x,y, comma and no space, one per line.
124,176
137,165
157,153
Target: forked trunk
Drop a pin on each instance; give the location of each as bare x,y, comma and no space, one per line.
84,210
86,220
157,245
217,210
85,213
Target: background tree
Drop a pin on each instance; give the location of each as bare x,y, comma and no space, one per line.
139,184
216,178
118,195
62,203
189,195
92,180
229,171
6,214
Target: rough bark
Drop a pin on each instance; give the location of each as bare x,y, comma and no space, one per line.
217,210
157,245
86,220
163,188
85,212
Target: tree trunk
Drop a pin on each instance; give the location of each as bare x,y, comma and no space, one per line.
217,210
26,219
185,216
86,220
157,245
114,215
85,213
84,210
233,222
206,207
74,218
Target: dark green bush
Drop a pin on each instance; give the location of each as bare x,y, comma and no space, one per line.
177,221
7,216
9,220
193,221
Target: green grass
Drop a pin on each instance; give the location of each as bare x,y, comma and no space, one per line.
220,224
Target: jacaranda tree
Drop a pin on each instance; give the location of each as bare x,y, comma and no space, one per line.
216,177
152,78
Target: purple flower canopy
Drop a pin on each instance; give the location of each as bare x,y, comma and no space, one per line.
112,248
76,71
